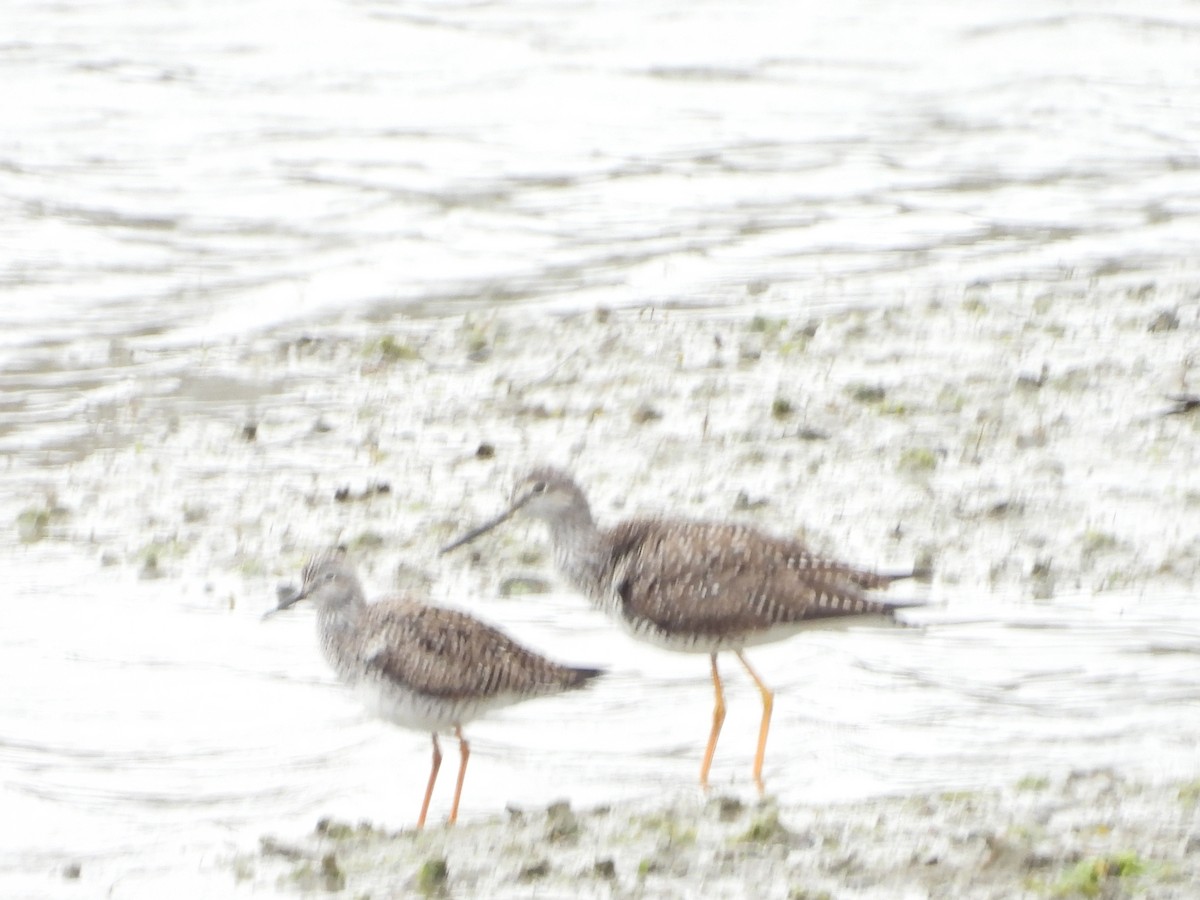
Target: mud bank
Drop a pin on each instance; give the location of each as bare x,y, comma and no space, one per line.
1032,445
1088,835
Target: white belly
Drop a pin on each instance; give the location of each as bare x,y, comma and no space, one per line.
705,643
421,712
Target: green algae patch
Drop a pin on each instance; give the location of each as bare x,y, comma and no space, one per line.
523,585
1033,783
670,827
432,876
325,875
389,349
870,394
1189,793
1091,876
781,408
334,830
35,522
915,460
766,829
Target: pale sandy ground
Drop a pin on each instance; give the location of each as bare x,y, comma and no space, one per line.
1016,440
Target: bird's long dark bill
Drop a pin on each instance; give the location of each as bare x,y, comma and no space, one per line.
286,601
485,527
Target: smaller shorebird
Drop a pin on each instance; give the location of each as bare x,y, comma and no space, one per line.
695,587
422,667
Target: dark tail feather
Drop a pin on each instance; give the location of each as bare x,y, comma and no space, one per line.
870,580
581,676
903,603
873,580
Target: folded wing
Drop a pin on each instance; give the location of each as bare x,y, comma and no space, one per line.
448,654
719,578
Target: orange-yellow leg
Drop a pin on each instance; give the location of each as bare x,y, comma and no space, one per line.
768,700
465,749
718,719
437,763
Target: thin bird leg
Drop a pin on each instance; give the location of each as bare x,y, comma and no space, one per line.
718,718
768,700
465,749
437,762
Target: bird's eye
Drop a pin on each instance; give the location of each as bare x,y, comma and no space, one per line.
539,487
329,576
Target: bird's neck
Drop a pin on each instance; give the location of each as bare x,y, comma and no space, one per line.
338,625
581,552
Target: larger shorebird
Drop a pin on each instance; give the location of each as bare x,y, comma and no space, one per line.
422,667
695,587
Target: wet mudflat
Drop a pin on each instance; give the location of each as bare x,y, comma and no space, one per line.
916,283
1037,838
1040,716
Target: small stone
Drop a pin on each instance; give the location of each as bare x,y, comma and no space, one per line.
270,846
766,829
1032,382
561,824
534,871
605,868
345,494
868,393
150,569
331,876
728,808
646,413
334,830
744,503
1167,320
1037,859
522,585
432,876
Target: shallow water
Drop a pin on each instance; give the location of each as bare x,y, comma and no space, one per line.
195,168
178,180
162,736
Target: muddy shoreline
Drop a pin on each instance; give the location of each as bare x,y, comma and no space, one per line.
1089,834
1019,441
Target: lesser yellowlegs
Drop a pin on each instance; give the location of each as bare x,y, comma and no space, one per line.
419,666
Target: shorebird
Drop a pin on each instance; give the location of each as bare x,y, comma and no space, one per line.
422,667
694,586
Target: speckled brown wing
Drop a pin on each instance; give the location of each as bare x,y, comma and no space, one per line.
719,578
448,654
